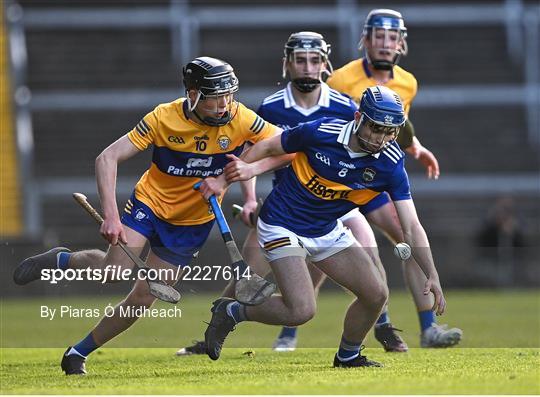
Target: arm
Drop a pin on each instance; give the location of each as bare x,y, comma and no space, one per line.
106,170
406,135
416,237
425,157
250,201
264,156
239,170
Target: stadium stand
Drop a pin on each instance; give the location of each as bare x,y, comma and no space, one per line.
11,222
92,78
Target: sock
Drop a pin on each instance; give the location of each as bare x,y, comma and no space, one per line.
427,317
62,260
84,347
384,318
237,311
289,332
348,350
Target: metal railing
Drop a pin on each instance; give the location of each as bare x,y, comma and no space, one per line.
23,118
185,23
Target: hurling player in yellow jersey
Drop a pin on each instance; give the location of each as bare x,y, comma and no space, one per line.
191,139
384,42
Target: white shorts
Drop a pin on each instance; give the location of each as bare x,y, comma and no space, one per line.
278,242
352,213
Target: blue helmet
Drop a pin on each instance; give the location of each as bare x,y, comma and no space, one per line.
382,106
389,20
382,113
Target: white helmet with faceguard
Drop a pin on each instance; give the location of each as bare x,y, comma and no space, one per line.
390,24
304,43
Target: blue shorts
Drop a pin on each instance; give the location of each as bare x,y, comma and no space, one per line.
174,244
377,202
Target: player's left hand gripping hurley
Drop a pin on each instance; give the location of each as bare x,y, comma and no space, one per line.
250,289
158,288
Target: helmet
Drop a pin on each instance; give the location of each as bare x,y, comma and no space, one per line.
306,42
210,77
389,20
382,111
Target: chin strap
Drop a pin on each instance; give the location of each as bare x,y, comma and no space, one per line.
306,84
212,121
382,65
191,106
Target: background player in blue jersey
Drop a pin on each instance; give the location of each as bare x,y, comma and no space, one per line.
337,167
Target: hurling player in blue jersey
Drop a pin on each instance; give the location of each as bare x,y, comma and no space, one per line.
306,98
338,166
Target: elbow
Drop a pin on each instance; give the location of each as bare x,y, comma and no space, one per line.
103,159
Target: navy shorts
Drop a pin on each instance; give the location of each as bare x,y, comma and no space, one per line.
172,243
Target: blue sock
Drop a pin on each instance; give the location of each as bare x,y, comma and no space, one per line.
383,318
237,311
427,317
289,332
84,347
62,260
348,350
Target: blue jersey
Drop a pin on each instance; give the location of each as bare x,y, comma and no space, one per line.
281,109
326,179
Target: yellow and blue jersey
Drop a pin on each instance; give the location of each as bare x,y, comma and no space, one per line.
281,109
185,152
354,78
326,179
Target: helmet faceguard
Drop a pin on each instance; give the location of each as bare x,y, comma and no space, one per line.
305,43
388,23
382,116
212,79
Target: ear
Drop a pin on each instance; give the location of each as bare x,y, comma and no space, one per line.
357,116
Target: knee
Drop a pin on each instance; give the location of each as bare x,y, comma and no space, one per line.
301,313
380,296
376,297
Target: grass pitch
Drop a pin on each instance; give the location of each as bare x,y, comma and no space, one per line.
308,371
499,355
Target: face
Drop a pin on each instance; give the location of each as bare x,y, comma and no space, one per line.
306,64
212,106
371,137
384,44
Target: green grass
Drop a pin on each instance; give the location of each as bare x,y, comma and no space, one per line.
309,371
499,355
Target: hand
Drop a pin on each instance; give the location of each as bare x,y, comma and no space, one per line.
113,231
238,170
424,156
434,286
213,186
248,213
